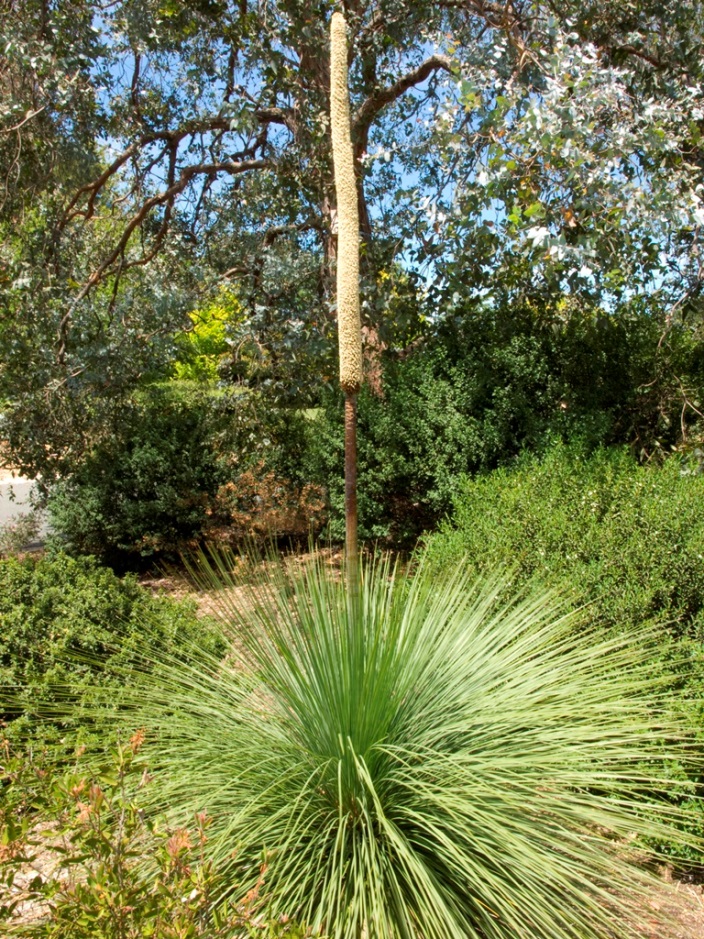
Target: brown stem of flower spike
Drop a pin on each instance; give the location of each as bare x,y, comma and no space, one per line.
351,550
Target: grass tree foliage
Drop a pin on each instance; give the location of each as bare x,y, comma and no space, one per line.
438,761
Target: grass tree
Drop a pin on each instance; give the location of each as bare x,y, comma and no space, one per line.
436,762
348,318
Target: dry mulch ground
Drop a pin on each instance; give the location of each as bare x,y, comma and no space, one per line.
209,603
683,906
45,864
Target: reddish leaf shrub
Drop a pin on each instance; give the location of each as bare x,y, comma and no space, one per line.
260,506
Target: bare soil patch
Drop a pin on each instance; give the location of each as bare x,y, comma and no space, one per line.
178,585
681,905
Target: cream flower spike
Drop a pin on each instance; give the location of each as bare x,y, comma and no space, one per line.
348,319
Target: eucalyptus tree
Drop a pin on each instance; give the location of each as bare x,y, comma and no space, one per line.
577,143
211,137
502,151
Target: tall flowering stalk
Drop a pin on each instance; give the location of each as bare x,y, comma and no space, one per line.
348,319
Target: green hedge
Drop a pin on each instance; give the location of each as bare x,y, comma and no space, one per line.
66,623
627,538
151,488
488,384
146,488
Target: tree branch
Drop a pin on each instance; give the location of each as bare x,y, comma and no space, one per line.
166,197
375,103
270,236
276,231
28,117
638,54
513,21
283,116
170,138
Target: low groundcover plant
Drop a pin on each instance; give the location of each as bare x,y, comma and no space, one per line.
437,759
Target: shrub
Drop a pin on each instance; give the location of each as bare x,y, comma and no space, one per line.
429,762
146,489
489,383
63,621
153,488
19,532
108,871
203,347
627,538
259,507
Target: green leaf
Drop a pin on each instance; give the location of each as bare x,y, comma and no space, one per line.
535,210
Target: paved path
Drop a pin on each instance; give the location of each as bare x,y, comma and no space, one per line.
15,501
22,488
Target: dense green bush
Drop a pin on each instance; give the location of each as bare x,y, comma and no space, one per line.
146,487
64,621
627,538
152,487
465,395
486,385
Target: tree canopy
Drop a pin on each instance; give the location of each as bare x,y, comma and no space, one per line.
541,154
